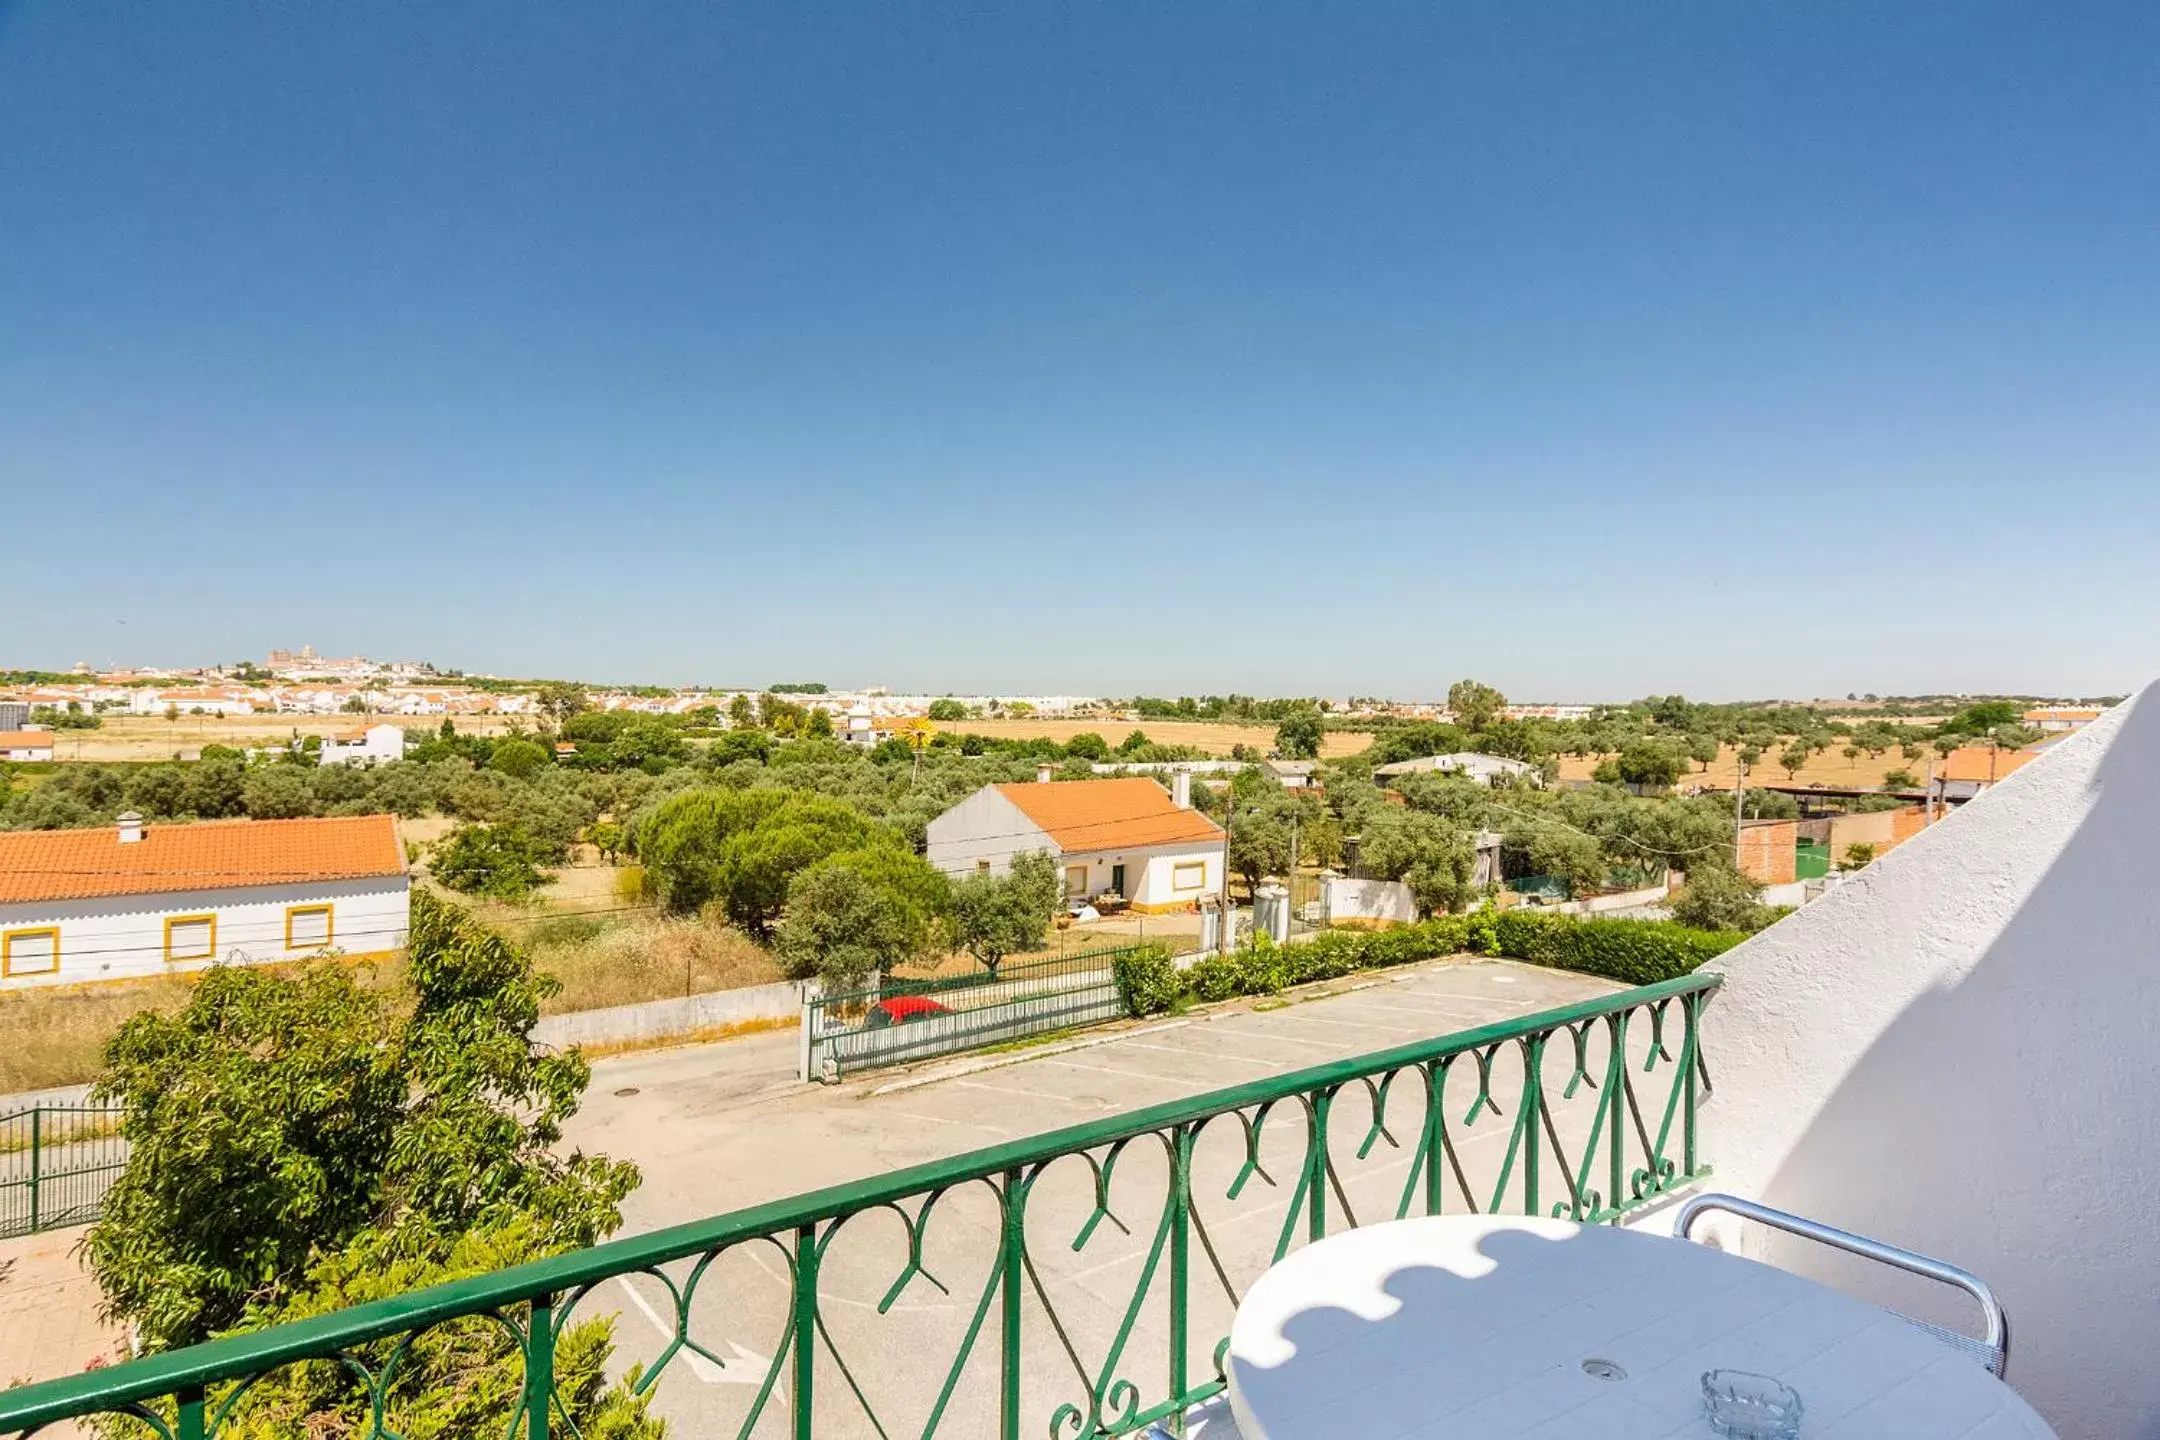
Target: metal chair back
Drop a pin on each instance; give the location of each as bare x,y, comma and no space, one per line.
1992,1350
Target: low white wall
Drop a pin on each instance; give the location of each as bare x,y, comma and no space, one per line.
1618,900
1344,899
664,1019
1953,1051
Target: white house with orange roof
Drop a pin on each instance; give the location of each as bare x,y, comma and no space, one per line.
200,700
1129,837
26,744
373,745
2057,718
131,900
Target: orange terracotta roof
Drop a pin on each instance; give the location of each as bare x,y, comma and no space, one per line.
2061,713
22,739
1128,814
1979,762
37,865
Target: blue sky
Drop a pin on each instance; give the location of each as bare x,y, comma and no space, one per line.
1595,350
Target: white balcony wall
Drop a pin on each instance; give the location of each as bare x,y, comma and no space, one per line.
1956,1051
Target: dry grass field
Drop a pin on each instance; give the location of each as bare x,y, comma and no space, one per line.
1211,736
153,737
56,1036
1829,767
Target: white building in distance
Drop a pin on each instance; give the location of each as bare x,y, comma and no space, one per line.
376,745
26,744
129,901
1491,769
1128,837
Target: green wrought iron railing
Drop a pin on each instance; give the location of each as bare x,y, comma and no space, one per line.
56,1162
1075,1284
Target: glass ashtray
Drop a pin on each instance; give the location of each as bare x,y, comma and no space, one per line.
1750,1407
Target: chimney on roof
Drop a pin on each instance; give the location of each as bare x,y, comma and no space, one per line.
1181,789
1042,773
131,828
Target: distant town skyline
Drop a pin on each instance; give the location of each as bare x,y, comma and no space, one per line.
1437,694
1590,350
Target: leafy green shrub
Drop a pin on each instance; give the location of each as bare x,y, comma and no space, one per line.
1215,978
1634,952
1148,980
492,860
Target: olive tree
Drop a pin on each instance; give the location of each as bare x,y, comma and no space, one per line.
994,916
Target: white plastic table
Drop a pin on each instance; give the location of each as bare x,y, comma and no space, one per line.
1484,1327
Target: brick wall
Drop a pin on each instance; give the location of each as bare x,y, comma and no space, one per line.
1766,850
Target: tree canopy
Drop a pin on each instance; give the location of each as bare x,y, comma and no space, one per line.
994,916
1299,733
280,1119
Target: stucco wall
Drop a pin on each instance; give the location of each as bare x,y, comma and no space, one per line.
1954,1051
661,1019
1345,899
985,826
124,938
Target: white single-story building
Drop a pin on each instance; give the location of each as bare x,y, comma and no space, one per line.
1491,769
373,746
26,744
1129,837
131,900
1295,774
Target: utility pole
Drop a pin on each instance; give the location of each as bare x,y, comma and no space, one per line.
1223,931
1293,864
1739,807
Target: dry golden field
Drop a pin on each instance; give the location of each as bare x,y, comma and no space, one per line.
1212,736
153,737
1829,767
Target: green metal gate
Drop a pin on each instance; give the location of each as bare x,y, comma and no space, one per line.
1811,859
56,1162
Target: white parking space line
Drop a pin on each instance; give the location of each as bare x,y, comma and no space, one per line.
941,1120
1405,1031
1210,1055
1121,1074
1022,1090
1265,1038
701,1367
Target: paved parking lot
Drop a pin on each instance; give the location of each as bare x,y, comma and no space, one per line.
722,1127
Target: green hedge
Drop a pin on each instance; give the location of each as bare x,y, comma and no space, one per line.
1148,980
1634,952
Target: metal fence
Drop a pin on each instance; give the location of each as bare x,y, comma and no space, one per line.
56,1162
904,1020
1076,1284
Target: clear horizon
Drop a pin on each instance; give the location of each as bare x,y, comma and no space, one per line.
1595,355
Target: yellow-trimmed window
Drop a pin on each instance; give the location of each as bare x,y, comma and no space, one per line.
191,937
1189,875
30,952
308,927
